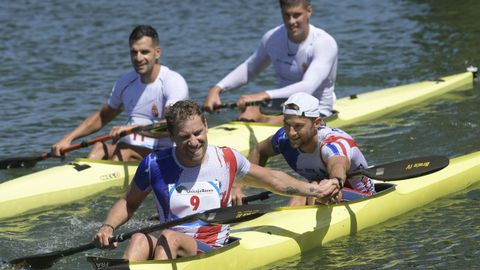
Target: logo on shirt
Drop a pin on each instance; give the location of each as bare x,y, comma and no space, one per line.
184,190
155,112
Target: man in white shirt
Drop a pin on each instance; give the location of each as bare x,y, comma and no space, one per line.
304,58
143,93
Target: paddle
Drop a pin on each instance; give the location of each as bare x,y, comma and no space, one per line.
392,171
28,162
267,107
404,169
262,103
217,216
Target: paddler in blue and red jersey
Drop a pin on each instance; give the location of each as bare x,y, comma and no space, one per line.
313,150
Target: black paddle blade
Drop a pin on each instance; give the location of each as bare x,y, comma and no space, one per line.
19,162
46,260
407,168
235,214
43,261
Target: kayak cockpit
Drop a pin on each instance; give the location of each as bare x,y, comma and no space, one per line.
100,263
384,187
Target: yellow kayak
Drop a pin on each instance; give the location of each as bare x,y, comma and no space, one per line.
280,234
350,110
83,177
63,184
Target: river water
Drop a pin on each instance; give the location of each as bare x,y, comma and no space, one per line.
61,58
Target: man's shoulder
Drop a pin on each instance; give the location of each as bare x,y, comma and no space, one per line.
322,35
327,132
229,153
165,71
128,77
223,149
169,74
275,34
280,134
280,139
161,155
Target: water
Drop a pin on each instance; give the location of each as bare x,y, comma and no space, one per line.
61,58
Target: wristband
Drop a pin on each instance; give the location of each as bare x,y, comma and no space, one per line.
107,225
340,181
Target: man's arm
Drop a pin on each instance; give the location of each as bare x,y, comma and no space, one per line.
337,167
241,75
121,211
258,155
91,124
282,183
262,152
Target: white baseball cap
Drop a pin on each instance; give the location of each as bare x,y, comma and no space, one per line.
302,104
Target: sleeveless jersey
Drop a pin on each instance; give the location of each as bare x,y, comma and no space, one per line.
145,103
180,191
312,166
310,66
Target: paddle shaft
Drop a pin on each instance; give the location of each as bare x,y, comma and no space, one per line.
28,162
219,215
263,103
105,138
48,258
245,200
257,197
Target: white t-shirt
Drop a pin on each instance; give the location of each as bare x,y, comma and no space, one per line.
310,66
145,103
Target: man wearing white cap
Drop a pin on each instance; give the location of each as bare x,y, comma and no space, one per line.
314,150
